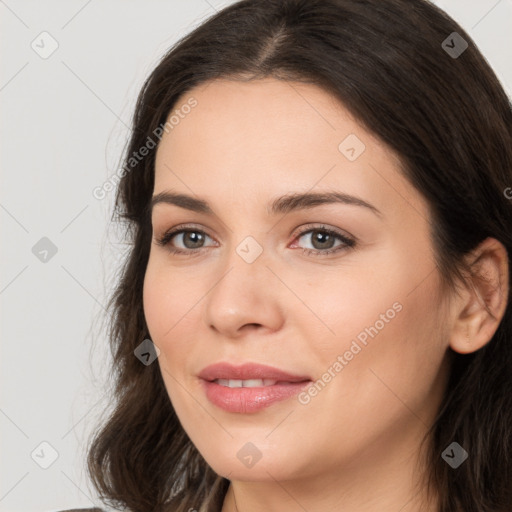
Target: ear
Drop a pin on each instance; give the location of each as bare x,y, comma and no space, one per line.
481,305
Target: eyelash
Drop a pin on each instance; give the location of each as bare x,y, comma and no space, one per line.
168,235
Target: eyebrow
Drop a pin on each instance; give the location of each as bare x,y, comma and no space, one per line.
281,205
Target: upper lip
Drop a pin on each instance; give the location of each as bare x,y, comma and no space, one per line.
247,371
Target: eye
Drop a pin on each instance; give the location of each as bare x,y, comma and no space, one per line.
323,240
191,240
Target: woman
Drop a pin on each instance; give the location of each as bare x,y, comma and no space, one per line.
315,311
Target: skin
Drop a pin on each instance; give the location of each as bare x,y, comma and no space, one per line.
355,445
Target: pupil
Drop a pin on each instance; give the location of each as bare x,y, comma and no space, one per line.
323,238
193,235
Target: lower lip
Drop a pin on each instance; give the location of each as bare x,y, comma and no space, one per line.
247,400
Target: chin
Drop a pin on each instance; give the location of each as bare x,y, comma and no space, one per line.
244,462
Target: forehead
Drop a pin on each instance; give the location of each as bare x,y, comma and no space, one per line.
272,136
267,117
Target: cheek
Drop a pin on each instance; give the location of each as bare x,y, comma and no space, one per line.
168,299
341,307
166,304
155,302
167,307
386,326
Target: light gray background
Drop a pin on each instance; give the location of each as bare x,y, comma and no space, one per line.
64,124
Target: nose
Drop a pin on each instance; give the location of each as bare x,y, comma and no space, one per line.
247,297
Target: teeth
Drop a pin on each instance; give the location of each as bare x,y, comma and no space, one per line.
249,383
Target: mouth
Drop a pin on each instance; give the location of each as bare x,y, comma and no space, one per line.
249,373
250,387
249,383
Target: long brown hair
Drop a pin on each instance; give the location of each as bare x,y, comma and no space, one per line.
449,121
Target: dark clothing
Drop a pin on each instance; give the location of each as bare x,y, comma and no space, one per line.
94,509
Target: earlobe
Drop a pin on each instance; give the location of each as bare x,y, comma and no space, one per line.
482,305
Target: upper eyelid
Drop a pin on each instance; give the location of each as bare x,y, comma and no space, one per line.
309,226
179,229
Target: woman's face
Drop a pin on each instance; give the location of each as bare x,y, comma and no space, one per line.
258,280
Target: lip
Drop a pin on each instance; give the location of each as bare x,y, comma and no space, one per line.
249,400
248,371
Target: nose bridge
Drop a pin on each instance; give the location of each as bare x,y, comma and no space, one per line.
242,294
244,271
